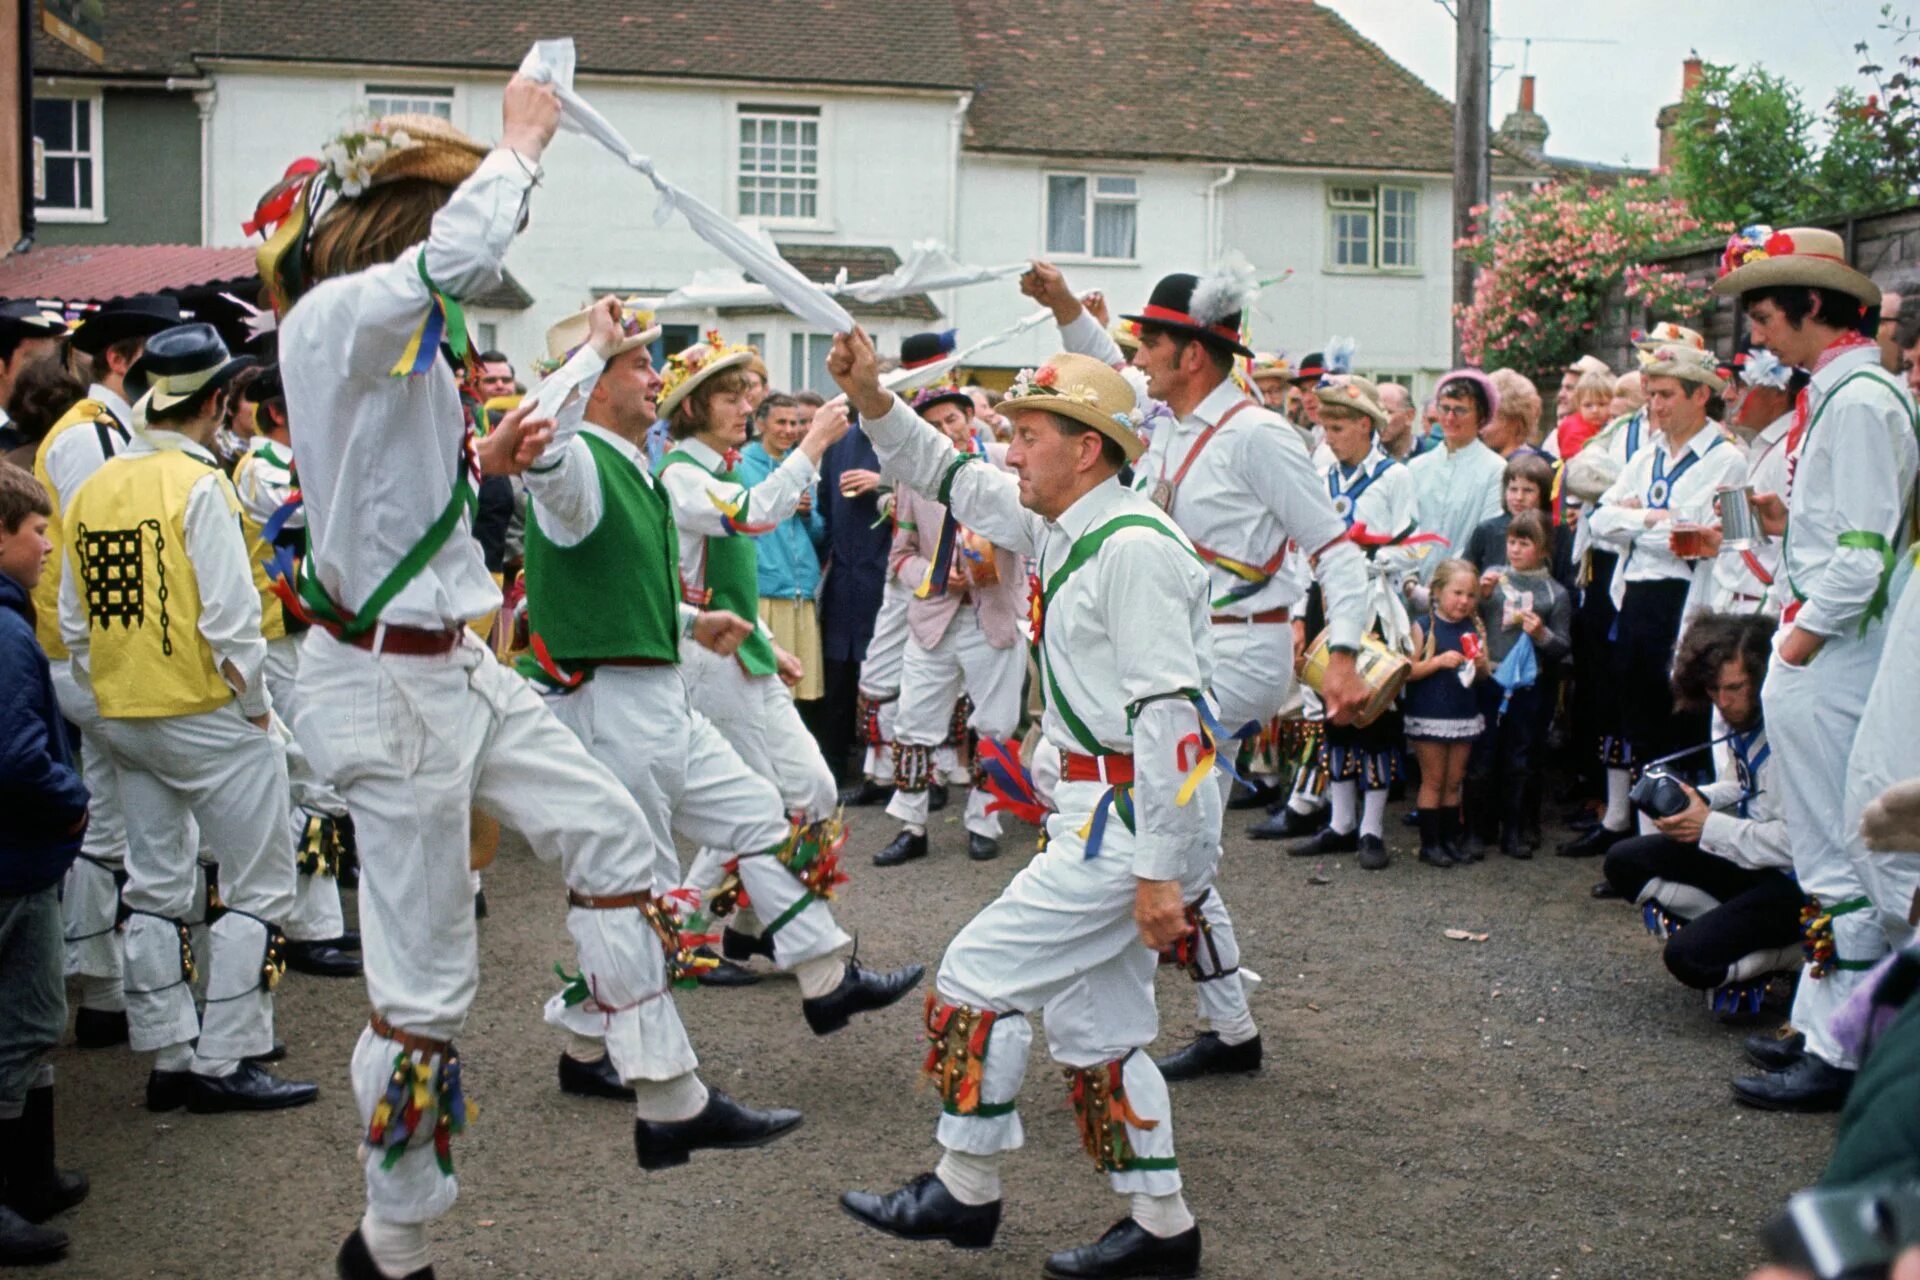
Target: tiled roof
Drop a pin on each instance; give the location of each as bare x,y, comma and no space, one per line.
98,273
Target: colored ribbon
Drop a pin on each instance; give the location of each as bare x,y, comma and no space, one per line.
730,516
445,320
1008,781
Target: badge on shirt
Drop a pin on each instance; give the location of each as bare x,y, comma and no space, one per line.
1657,493
1342,506
1162,496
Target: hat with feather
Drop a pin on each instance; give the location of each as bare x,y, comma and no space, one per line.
1207,307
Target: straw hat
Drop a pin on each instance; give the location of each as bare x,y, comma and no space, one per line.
1686,364
1589,364
400,146
1086,390
1125,335
569,335
1351,391
1271,364
1667,334
1759,257
687,369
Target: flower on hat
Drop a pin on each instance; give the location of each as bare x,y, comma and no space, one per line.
1761,368
1780,244
350,159
1046,376
1751,244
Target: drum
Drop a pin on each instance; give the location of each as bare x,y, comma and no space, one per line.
1383,670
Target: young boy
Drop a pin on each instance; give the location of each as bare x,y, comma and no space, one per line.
47,807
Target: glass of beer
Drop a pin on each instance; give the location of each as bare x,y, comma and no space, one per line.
1688,541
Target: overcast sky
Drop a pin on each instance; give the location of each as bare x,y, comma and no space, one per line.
1599,100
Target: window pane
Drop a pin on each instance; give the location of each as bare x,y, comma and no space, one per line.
809,205
1116,186
1352,239
61,192
797,361
819,344
749,134
82,126
1066,215
53,123
1113,230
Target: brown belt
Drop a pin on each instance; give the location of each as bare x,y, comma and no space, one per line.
1271,615
406,1039
411,642
609,901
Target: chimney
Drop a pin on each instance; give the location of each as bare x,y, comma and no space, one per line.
1525,128
1690,74
1526,94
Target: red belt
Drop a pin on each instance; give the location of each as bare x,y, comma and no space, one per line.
1271,615
1115,771
412,642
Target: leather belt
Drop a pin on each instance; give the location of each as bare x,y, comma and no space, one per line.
624,662
411,642
608,901
1113,770
406,1039
1271,615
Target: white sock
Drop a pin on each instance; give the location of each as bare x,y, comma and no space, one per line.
1303,800
398,1248
1343,796
681,1098
1373,815
914,828
820,975
1238,1029
106,994
971,1179
1162,1216
174,1057
1619,817
585,1048
216,1068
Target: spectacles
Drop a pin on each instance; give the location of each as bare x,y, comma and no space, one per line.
1453,410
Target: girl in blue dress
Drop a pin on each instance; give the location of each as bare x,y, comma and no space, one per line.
1442,709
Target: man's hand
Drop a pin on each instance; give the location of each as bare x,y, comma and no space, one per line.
957,580
1046,286
1711,540
792,670
855,481
1891,824
1343,691
603,327
828,428
1686,825
856,367
1096,304
1656,515
515,443
529,112
1771,509
721,631
1159,913
806,503
1799,646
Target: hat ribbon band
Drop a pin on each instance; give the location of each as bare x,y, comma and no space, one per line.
181,384
1153,311
921,364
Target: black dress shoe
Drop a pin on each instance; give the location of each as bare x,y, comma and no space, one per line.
1258,796
860,991
1774,1052
905,848
596,1079
274,1054
99,1028
740,946
726,973
1129,1249
925,1210
1603,891
1593,843
867,793
354,1262
35,1187
349,940
1288,824
1810,1084
24,1244
322,959
982,848
936,797
248,1087
479,904
167,1090
1373,854
1324,842
723,1124
1208,1055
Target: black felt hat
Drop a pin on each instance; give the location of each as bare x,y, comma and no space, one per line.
925,348
140,316
1179,303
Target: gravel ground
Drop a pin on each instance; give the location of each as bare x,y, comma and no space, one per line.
1548,1103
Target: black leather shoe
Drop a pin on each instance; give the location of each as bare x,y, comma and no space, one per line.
723,1124
726,973
1208,1055
1513,844
1129,1250
1373,854
322,959
1604,891
860,991
479,904
596,1079
1325,841
982,848
1772,1051
740,947
1594,843
867,793
99,1028
905,848
349,940
1258,796
248,1087
24,1244
354,1262
936,797
36,1188
1288,824
277,1052
925,1210
167,1090
1810,1084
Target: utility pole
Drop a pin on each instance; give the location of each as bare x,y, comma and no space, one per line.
1472,72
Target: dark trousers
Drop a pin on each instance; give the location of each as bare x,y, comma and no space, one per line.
33,993
1758,911
1645,636
1591,703
836,717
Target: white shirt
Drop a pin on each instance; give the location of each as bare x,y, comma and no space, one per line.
1758,839
1385,501
1855,472
79,450
1130,624
1684,481
693,494
217,549
380,455
1454,491
1736,588
264,481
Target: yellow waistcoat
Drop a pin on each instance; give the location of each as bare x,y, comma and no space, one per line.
273,618
46,595
127,541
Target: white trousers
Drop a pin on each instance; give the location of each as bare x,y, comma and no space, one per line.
1061,939
316,914
880,673
1813,713
412,744
90,898
1885,751
219,771
931,681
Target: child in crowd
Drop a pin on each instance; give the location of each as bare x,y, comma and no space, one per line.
1527,486
1442,709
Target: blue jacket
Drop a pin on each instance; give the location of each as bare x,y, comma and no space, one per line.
40,790
858,542
790,551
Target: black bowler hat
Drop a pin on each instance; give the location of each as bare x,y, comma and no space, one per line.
1171,305
1312,369
927,348
183,363
24,319
140,316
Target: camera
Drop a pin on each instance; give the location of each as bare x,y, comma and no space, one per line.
1658,794
1846,1234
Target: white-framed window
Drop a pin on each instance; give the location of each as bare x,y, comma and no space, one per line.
69,159
777,175
410,99
807,365
1093,216
1373,227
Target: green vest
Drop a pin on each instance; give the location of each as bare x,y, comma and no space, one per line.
732,578
612,594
